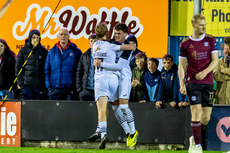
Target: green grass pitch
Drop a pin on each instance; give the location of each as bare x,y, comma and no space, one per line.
50,150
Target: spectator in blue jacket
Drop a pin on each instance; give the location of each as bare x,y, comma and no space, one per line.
152,80
169,85
60,67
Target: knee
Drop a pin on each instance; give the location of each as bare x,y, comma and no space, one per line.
205,120
123,106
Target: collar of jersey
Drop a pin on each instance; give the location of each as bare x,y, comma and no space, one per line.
198,38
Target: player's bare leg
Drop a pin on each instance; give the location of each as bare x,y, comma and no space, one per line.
102,106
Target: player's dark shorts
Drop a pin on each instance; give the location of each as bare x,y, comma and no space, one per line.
200,94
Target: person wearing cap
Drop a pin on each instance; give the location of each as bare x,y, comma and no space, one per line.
133,41
120,100
32,78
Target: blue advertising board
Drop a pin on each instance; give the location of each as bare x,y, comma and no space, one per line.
218,129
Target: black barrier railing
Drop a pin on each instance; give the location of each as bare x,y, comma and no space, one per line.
76,121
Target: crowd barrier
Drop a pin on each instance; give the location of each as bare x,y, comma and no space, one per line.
76,121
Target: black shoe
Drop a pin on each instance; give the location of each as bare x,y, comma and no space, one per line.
95,136
104,140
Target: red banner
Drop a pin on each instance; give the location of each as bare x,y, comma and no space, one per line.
10,124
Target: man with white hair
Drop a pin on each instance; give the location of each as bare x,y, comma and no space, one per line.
60,67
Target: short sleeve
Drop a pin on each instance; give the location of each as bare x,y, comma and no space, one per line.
214,47
183,51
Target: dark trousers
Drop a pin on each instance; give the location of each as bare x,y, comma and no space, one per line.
86,95
30,93
60,94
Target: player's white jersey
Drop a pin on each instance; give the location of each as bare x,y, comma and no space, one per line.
126,70
107,53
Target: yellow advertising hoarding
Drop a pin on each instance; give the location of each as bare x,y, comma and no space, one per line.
180,19
148,20
217,15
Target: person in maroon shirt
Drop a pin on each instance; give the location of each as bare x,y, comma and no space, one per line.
199,56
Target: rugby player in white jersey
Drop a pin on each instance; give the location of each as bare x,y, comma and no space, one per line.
106,81
121,109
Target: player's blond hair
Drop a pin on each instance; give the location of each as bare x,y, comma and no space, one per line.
101,30
196,17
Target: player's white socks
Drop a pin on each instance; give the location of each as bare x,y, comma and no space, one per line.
103,128
121,118
129,117
98,128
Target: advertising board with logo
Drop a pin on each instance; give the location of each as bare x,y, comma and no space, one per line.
217,15
10,124
148,21
218,130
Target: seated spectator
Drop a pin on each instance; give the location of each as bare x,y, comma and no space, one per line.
85,73
152,80
222,76
138,83
7,64
32,78
169,85
60,67
133,41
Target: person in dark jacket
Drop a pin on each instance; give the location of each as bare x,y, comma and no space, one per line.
138,83
60,67
152,79
32,78
133,41
85,73
7,64
169,85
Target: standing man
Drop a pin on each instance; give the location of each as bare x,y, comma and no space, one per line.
106,81
222,75
122,111
120,107
32,78
200,51
60,67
